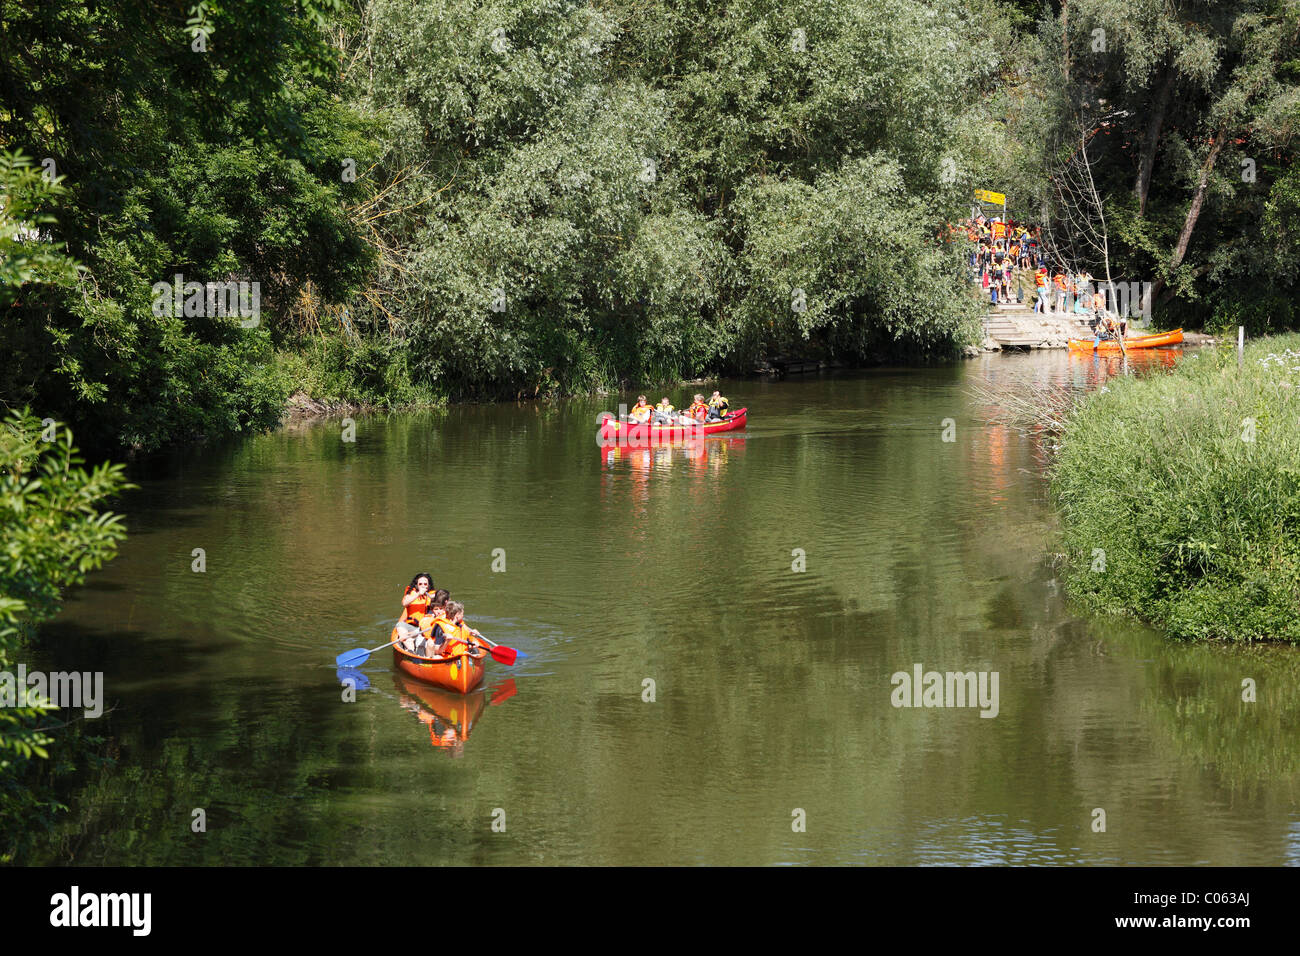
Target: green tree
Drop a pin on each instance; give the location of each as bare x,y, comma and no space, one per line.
1192,109
220,160
27,257
54,532
581,194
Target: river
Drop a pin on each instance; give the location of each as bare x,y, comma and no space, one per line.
711,646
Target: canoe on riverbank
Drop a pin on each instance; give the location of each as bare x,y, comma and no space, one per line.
461,673
613,431
1155,340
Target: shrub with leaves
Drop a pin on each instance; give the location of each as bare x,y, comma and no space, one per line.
1187,486
54,531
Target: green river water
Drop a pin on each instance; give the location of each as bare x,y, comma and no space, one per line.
771,686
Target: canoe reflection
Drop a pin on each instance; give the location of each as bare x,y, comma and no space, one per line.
450,717
711,454
1091,369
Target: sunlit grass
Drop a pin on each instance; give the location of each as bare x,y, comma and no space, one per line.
1181,495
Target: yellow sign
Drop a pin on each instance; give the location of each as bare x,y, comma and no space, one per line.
986,195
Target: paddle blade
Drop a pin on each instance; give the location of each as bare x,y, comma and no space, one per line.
352,658
359,681
503,692
504,655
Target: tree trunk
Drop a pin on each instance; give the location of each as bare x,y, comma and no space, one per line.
1194,212
1198,199
1147,162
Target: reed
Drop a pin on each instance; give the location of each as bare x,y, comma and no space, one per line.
1180,495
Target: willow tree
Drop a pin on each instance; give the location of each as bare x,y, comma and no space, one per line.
617,190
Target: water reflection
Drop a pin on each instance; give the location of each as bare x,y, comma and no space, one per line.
702,463
353,678
1092,369
703,457
773,684
449,717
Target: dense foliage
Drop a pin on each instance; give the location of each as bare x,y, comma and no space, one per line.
217,164
1191,113
461,199
1181,495
597,192
54,532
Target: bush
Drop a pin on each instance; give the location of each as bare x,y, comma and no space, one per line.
54,533
1183,490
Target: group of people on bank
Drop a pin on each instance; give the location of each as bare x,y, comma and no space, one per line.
1008,260
700,412
433,625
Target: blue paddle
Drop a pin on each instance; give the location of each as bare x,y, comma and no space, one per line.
357,657
359,680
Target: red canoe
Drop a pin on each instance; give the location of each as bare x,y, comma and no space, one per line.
614,432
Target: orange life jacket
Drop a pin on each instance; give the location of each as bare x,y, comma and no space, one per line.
640,413
698,411
456,638
431,619
411,613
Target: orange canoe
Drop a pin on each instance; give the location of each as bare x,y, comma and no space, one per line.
1152,341
461,673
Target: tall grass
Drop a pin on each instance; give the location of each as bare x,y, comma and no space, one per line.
1181,495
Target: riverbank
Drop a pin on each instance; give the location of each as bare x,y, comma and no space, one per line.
1180,495
1017,326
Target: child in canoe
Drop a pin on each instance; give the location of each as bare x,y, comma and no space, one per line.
640,412
698,411
450,635
415,635
718,406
